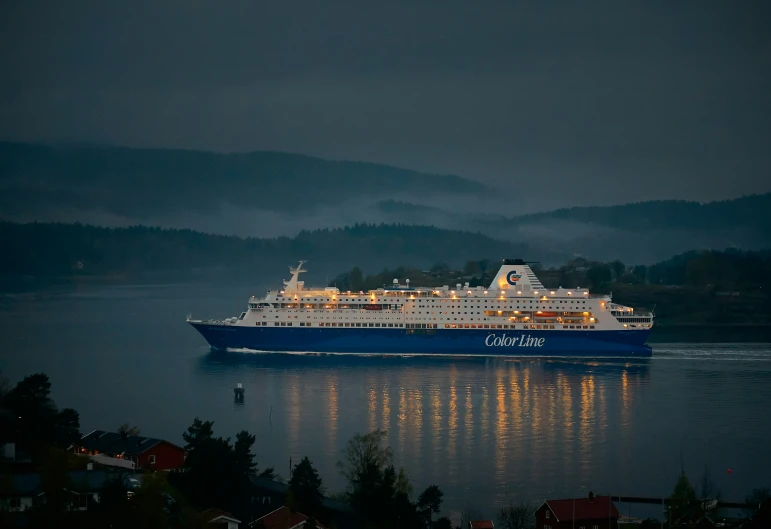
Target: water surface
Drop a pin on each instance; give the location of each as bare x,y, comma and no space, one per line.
485,430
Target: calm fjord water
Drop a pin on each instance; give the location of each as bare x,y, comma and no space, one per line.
485,430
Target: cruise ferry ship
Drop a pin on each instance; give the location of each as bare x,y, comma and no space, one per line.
514,316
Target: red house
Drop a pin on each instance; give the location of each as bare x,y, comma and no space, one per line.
283,518
145,452
594,512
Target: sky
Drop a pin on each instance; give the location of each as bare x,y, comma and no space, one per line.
588,102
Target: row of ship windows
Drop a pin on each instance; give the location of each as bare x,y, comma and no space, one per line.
454,319
509,300
412,310
363,299
425,325
335,317
328,324
328,301
509,313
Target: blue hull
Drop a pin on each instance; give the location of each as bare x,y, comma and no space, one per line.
481,342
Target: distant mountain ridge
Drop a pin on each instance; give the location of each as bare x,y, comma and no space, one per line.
270,194
135,182
642,232
751,210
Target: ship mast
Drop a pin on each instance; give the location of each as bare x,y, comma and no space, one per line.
293,285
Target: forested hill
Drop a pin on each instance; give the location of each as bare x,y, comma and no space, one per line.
644,232
137,182
752,211
48,250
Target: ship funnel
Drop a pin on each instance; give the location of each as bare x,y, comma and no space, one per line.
517,276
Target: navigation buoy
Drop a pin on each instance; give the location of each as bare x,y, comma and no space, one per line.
239,392
729,470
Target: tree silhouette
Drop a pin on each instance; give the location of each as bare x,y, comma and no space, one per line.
403,485
375,490
39,423
306,487
756,497
216,473
127,429
430,501
364,454
442,523
243,451
197,432
683,496
520,516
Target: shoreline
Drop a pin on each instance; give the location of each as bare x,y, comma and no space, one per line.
662,331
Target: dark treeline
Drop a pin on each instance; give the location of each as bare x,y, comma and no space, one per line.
707,287
64,250
750,212
720,270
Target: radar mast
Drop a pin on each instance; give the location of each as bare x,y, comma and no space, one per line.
293,285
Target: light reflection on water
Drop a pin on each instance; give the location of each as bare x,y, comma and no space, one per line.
484,430
491,429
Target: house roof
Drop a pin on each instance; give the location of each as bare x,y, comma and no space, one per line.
276,487
79,481
114,443
283,518
598,508
268,484
217,516
482,524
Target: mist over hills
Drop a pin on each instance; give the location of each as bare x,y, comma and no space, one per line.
643,232
272,195
143,182
50,250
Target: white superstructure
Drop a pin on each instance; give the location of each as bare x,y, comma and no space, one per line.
515,299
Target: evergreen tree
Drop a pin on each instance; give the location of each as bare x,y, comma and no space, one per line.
442,523
215,473
356,279
403,485
681,499
375,490
197,432
430,501
243,453
40,425
67,428
307,488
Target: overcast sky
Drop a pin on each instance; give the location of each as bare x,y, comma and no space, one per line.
589,102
